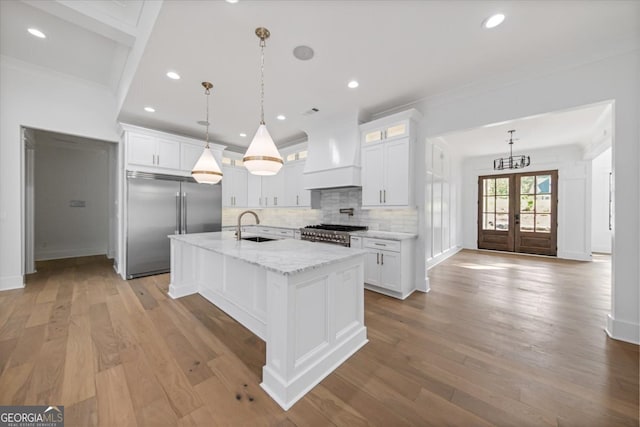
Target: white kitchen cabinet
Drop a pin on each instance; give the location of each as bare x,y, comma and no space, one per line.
273,190
189,155
150,151
294,193
234,187
388,266
254,191
387,160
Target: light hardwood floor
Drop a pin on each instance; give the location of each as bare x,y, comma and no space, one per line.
500,340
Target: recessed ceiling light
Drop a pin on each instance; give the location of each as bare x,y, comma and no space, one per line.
303,53
149,109
37,33
243,135
493,21
232,1
173,75
281,117
353,84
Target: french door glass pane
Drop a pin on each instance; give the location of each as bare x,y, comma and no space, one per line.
526,185
543,203
526,222
543,223
502,186
489,187
526,204
488,221
489,204
543,184
502,222
502,204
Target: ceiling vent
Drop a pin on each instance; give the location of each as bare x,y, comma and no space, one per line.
310,111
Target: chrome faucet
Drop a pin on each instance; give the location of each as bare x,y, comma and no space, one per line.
239,228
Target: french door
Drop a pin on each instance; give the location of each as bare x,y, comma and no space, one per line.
518,212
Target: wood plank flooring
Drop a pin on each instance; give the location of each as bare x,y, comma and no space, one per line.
500,340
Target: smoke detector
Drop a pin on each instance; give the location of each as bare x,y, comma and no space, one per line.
303,53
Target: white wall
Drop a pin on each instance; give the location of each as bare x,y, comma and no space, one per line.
574,197
600,234
66,172
40,99
615,78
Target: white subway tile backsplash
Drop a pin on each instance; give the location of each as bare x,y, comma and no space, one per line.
401,220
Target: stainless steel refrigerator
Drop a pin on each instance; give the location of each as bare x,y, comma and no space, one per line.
160,205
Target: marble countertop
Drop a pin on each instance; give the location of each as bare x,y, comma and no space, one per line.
286,256
389,235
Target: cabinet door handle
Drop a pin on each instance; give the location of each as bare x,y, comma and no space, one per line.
259,201
297,200
382,259
384,196
377,258
380,195
380,244
158,159
275,201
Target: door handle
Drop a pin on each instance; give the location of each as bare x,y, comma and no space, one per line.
380,195
177,212
184,213
382,259
297,200
517,219
384,196
377,258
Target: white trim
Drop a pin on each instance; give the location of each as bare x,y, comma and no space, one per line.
576,256
11,282
432,262
69,253
622,330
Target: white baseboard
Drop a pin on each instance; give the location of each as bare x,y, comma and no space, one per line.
622,330
11,282
576,256
182,291
443,256
68,253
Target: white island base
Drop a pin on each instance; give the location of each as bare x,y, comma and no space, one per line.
306,300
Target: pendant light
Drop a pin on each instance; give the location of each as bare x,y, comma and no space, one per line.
262,156
511,162
206,169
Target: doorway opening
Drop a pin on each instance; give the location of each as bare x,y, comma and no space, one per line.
518,212
69,198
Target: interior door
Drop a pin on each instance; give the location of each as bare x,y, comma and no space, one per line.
495,212
536,213
518,212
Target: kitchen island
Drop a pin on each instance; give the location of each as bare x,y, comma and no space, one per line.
306,300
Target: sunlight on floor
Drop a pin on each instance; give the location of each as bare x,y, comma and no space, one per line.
479,266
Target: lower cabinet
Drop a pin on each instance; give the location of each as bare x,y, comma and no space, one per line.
388,266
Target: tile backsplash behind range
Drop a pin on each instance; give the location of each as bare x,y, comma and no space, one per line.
402,220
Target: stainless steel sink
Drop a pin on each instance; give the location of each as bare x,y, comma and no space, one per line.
258,239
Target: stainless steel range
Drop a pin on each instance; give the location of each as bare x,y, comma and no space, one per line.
330,233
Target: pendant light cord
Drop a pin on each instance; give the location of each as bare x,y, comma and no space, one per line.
207,92
262,45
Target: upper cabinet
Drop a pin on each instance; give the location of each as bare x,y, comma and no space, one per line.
234,187
148,150
387,160
295,194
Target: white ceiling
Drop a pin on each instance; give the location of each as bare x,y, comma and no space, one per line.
399,51
572,127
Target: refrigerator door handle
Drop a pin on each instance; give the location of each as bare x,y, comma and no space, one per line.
184,213
178,212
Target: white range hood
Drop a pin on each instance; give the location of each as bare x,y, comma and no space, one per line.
333,158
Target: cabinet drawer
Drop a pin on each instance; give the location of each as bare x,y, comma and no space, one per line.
282,233
356,242
387,245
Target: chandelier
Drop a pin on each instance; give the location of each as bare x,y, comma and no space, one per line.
511,162
262,156
206,169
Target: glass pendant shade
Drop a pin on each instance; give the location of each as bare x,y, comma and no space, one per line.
262,156
206,169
